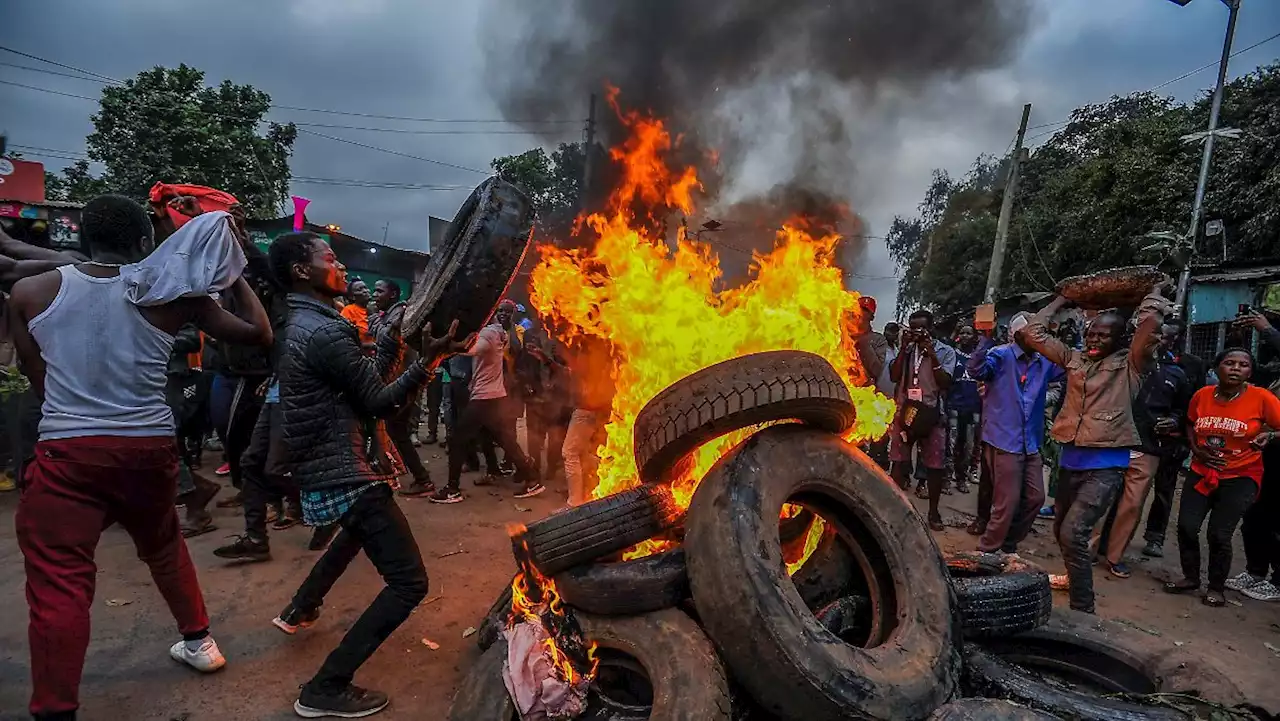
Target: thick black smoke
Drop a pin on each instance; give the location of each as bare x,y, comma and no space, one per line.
793,76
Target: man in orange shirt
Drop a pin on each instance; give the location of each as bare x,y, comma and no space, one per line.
357,310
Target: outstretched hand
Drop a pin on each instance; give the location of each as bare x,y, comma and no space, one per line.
435,348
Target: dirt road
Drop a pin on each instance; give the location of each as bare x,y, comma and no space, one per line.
130,677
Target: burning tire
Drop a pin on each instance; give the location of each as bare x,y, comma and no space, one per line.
470,271
987,709
582,534
483,695
642,585
658,666
1091,657
686,678
793,666
738,393
998,595
495,620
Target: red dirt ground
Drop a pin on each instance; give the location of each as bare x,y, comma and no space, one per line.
129,675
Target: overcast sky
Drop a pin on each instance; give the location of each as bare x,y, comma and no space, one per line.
424,58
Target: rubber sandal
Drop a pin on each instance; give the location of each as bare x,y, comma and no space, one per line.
1214,599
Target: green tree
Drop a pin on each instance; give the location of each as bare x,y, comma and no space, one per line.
1089,195
554,180
75,184
166,125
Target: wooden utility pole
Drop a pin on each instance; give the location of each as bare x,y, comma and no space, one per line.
588,152
1006,212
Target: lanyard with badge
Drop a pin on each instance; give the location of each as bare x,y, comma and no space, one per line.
916,393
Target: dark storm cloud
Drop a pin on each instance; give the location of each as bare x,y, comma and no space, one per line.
721,69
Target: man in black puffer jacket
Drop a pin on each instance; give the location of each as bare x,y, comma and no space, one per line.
331,396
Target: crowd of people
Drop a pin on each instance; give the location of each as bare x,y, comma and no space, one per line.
315,396
1106,419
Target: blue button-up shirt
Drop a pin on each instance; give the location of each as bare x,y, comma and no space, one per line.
1013,409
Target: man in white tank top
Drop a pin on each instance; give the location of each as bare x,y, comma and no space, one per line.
107,452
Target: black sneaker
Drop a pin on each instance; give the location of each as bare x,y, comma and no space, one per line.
291,619
350,702
1153,550
418,490
446,495
321,537
244,548
531,490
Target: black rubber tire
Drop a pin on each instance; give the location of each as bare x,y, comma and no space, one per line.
494,622
627,588
790,664
831,573
738,393
989,709
998,595
475,262
582,534
483,696
689,682
847,618
1113,657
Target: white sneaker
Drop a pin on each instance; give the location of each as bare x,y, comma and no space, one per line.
1263,590
206,659
1243,581
1059,582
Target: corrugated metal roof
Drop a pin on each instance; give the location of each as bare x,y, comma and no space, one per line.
1237,274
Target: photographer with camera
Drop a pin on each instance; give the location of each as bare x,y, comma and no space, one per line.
922,372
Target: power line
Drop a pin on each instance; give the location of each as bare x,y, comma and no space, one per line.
106,79
392,152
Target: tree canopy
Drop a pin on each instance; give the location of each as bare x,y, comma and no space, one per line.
1089,195
166,125
553,180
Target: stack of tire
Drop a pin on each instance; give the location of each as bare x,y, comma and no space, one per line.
877,623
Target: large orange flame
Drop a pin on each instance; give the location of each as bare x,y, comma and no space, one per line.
664,311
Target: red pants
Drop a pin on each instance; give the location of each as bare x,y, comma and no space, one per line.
76,488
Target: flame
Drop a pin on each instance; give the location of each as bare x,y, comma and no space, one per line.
666,316
533,595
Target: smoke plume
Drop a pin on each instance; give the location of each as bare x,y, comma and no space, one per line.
789,93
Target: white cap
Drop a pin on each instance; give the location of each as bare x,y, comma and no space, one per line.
1019,321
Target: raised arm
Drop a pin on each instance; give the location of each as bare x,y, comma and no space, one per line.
249,325
1041,340
18,250
1150,315
983,364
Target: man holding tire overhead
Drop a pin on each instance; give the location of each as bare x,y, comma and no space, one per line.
1095,426
922,372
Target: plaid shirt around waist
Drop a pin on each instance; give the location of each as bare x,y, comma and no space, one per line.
326,506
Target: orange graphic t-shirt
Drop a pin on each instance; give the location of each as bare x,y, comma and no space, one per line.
359,317
1229,426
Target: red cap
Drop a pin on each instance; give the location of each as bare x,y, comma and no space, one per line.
868,304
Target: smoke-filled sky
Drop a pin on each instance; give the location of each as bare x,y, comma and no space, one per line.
865,97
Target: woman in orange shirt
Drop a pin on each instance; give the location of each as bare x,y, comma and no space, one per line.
357,309
1228,425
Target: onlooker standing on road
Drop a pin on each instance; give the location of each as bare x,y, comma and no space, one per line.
1226,428
1095,426
1173,445
357,310
1261,527
964,409
590,367
922,372
385,329
107,451
1159,412
1017,379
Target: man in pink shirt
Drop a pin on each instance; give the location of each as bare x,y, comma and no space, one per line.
485,413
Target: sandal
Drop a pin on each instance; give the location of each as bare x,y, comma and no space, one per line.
1183,586
1214,599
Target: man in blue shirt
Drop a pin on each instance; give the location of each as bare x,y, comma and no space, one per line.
1012,433
964,408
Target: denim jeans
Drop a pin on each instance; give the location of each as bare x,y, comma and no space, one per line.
1083,498
376,526
962,446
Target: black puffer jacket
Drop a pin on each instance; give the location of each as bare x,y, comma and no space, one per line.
331,395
